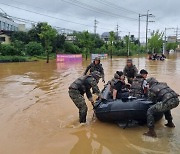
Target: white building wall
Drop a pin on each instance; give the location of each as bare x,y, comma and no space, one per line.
7,24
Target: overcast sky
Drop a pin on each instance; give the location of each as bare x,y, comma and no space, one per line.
80,14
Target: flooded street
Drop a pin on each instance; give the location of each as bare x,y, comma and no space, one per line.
38,117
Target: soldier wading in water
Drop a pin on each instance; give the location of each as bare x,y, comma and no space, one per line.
130,71
81,86
96,66
165,99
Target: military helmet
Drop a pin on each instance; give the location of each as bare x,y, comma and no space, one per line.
118,74
97,58
151,81
96,75
143,71
129,60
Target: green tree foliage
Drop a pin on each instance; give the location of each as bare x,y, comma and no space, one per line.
47,35
34,48
85,41
171,46
111,42
19,46
71,48
20,36
9,50
35,31
58,43
155,43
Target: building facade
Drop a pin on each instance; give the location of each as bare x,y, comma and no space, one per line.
7,23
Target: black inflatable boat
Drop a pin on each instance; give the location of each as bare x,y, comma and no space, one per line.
108,110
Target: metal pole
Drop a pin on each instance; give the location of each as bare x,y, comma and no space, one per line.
128,43
117,32
147,20
139,37
176,34
165,42
95,26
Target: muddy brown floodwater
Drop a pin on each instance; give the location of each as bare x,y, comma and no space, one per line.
38,117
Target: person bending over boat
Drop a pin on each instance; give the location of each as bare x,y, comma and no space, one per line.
139,87
165,99
79,87
130,71
96,66
119,90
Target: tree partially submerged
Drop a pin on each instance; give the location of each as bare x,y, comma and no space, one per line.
47,35
111,40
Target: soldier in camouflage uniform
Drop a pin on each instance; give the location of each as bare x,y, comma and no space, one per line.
165,99
96,66
130,71
79,87
139,85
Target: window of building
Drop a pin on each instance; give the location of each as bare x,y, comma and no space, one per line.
3,26
2,39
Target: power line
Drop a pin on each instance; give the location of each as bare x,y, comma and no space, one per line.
50,16
27,4
95,9
109,4
46,15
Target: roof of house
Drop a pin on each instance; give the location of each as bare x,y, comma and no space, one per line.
9,33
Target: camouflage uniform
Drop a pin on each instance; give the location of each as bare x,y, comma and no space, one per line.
137,87
130,72
113,82
76,92
95,67
165,99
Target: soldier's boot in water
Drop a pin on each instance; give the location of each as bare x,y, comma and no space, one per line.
151,133
170,124
82,117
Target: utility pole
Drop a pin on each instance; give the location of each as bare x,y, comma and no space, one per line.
139,28
147,20
117,28
128,44
164,41
177,29
165,37
95,26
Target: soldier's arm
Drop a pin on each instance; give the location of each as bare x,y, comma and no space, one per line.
152,96
87,69
95,87
89,95
114,94
102,72
136,71
124,71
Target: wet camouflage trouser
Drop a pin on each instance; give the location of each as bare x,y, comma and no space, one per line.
164,107
79,101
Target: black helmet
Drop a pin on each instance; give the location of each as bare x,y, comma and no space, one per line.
118,74
96,75
143,71
151,81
